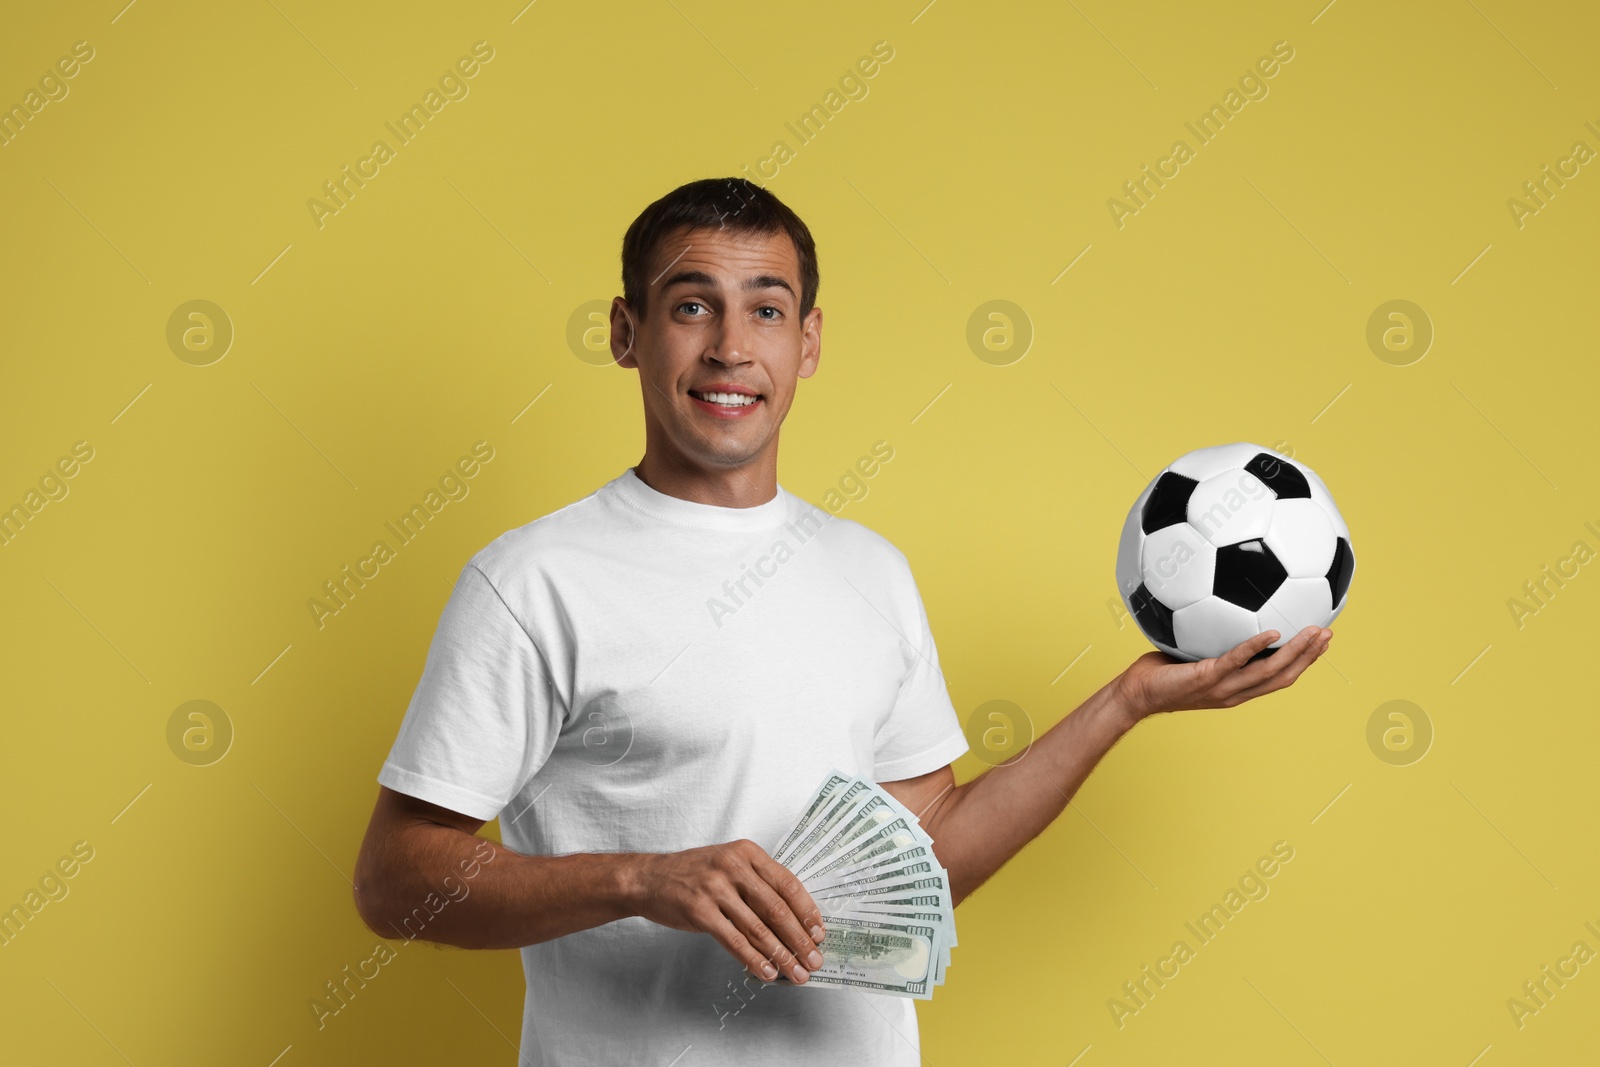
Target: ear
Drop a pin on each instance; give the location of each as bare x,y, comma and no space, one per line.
811,343
624,333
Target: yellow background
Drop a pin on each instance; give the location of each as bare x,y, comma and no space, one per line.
372,352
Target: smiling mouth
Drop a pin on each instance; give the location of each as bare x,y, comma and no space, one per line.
728,400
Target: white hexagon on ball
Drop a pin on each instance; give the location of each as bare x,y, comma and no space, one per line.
1301,536
1177,565
1205,463
1231,507
1294,605
1212,626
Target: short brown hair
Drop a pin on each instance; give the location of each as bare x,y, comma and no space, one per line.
721,203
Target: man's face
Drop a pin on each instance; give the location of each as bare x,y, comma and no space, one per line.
721,347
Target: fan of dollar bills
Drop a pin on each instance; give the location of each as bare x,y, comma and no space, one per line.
885,900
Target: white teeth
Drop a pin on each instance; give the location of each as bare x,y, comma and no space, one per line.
737,400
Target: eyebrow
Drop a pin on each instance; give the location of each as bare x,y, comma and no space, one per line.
751,284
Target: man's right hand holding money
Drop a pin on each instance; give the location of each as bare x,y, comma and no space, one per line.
754,906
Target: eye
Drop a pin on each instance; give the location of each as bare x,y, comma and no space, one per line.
686,303
776,312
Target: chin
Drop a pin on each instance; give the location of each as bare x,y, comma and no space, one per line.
727,460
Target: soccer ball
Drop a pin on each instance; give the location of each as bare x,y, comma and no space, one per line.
1228,542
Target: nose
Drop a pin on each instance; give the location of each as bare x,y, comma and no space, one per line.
731,346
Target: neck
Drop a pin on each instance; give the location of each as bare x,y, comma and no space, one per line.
745,486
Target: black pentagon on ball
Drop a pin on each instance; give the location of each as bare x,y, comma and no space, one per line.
1340,570
1281,476
1154,617
1247,574
1168,502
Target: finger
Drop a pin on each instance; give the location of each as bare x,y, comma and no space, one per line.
738,945
759,934
1263,670
770,897
1237,657
1285,677
802,908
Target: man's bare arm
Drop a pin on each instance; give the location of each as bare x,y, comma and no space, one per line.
414,849
423,872
979,825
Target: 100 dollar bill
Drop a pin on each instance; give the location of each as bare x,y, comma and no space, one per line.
886,957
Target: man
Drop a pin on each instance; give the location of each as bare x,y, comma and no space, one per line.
647,684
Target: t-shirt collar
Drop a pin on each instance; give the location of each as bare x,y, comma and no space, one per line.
680,512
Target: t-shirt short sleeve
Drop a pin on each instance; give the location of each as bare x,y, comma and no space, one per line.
922,732
484,715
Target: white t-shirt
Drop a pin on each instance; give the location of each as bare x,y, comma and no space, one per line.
638,672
